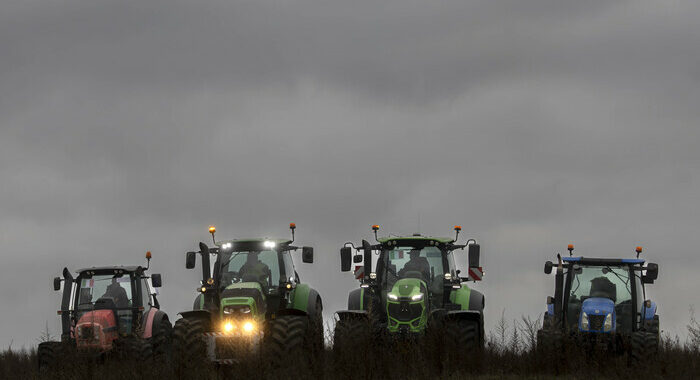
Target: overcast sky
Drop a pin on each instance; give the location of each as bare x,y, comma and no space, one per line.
131,125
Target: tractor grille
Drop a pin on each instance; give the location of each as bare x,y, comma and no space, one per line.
405,311
595,322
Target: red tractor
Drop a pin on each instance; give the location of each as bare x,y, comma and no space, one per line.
109,309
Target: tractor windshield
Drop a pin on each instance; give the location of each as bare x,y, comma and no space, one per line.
251,266
409,262
104,287
609,282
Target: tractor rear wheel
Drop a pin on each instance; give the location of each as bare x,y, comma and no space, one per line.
352,339
549,342
189,348
464,333
644,346
161,340
137,349
287,335
48,354
349,335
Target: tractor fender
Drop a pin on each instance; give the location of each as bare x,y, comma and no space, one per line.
344,315
290,312
196,314
470,315
198,303
357,299
650,312
476,301
154,318
313,297
299,298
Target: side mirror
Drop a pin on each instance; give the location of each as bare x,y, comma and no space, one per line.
56,283
474,253
307,254
190,259
345,254
548,267
652,273
357,259
156,280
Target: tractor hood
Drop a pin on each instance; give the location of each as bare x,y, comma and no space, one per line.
405,306
244,299
597,315
407,288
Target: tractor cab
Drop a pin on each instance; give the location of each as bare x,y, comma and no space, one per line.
415,280
603,296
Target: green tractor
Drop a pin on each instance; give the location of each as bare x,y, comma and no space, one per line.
415,288
251,299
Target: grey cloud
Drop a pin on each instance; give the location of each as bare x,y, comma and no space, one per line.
127,126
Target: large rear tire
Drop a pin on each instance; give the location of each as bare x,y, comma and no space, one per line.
48,354
350,335
644,346
189,348
464,333
161,340
287,337
136,349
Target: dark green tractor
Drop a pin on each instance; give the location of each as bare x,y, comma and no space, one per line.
415,289
251,301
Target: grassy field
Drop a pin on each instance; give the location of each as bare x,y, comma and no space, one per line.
509,353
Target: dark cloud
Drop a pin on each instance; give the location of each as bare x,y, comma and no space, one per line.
132,125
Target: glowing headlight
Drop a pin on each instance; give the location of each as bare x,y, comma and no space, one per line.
448,276
269,244
607,325
392,297
372,275
228,327
226,245
248,326
417,297
584,321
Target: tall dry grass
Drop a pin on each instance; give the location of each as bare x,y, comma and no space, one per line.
510,352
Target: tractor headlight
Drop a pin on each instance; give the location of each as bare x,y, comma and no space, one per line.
228,327
607,325
417,297
584,321
392,297
248,326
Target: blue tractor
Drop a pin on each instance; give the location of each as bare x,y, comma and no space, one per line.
601,303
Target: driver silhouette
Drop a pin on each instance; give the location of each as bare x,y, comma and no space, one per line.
416,264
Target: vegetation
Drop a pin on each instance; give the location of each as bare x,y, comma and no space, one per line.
510,352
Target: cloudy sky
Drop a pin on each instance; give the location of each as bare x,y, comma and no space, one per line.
131,125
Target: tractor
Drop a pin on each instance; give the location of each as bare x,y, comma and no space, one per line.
600,303
109,309
415,289
252,299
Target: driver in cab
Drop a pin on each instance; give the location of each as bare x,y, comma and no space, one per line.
416,263
254,270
